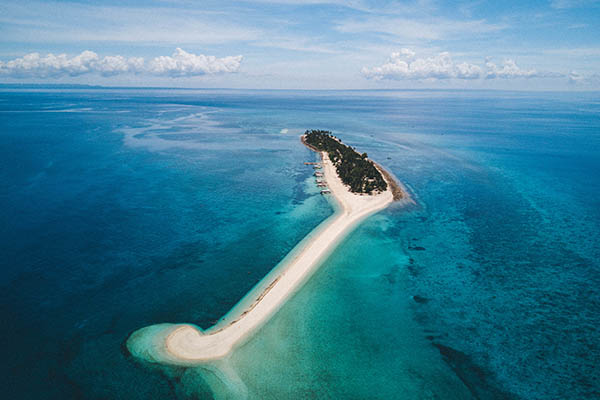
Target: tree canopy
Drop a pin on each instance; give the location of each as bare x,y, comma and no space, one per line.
353,168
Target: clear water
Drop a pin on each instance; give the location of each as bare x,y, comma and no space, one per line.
126,208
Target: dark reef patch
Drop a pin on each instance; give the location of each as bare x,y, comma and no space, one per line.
472,375
420,299
417,248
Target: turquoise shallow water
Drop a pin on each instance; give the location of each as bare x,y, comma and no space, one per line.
125,208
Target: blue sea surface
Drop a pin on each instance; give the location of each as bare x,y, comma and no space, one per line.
122,208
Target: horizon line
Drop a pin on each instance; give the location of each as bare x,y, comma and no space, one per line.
90,86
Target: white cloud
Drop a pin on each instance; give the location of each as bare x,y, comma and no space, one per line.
575,78
180,64
408,53
33,65
509,70
114,65
404,65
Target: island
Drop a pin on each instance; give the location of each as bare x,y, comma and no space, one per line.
354,169
359,187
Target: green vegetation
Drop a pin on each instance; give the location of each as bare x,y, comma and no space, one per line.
355,169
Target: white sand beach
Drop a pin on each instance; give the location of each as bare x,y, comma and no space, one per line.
186,343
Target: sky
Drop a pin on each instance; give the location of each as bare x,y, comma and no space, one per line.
312,44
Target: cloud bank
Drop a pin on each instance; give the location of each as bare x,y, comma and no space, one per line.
404,65
180,64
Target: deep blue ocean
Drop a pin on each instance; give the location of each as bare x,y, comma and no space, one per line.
122,208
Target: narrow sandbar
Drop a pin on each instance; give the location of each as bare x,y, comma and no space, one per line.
185,344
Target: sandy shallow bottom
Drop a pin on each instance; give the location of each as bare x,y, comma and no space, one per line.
185,343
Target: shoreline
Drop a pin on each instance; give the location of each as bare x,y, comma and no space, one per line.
185,344
398,190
